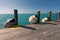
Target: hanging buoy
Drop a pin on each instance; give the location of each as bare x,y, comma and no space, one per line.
9,23
33,19
44,20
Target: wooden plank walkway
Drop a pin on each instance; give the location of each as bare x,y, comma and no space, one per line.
50,31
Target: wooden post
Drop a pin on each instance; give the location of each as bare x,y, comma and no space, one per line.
58,15
49,15
38,17
16,16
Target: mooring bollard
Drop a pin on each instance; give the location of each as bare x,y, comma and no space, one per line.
16,16
58,16
38,17
49,15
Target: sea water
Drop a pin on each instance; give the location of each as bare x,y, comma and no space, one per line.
23,19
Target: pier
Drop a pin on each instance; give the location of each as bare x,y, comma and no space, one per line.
39,31
48,31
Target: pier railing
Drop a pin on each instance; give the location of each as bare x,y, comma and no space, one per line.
38,16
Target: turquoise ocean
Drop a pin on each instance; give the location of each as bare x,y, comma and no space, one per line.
23,19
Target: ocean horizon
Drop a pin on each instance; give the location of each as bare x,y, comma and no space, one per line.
23,19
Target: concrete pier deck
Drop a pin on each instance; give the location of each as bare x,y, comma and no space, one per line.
45,31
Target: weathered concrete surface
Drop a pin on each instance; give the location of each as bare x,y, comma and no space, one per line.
50,31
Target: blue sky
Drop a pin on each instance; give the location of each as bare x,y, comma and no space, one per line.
29,6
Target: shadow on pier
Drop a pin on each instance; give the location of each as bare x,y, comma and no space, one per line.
49,23
27,27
